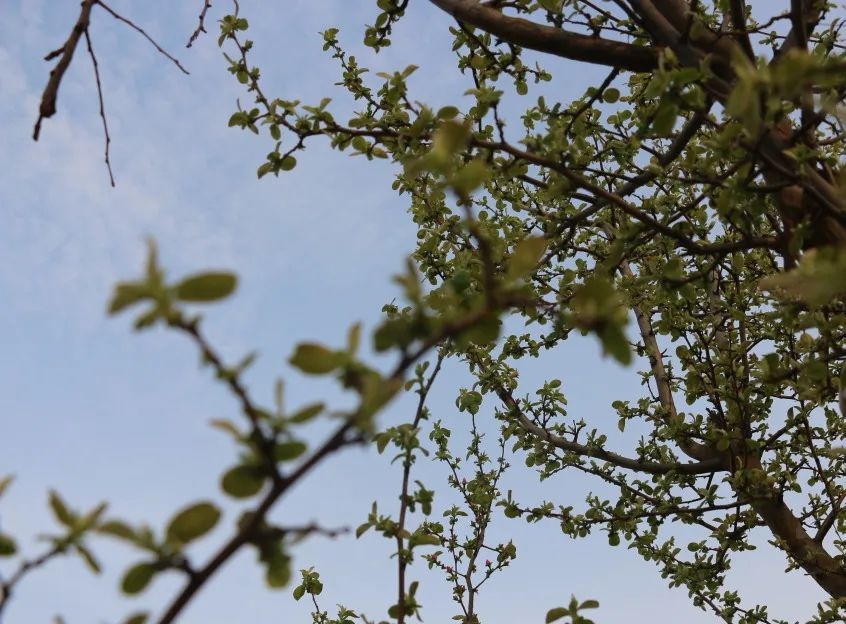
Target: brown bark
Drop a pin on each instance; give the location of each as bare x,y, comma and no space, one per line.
556,41
806,552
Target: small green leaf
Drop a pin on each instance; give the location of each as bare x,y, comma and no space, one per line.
60,510
299,592
425,540
483,332
278,571
470,177
287,451
226,425
362,529
611,95
193,522
665,118
315,359
5,482
137,578
242,481
8,547
556,614
89,559
137,618
307,413
526,256
206,287
118,529
354,338
127,294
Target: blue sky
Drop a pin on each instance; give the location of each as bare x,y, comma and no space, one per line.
101,413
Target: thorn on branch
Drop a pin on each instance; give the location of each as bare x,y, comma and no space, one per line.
201,26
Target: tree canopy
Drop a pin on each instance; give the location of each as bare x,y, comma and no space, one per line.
687,211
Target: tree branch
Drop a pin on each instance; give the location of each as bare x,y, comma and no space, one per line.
51,91
707,466
567,44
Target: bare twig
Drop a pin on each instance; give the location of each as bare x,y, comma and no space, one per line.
402,559
25,567
201,26
140,30
102,107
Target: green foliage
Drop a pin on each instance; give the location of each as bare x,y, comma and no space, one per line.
686,212
553,615
192,523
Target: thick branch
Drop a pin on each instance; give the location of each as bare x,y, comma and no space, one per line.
662,379
51,91
557,41
809,554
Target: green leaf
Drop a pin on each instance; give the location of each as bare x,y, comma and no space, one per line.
307,413
665,118
8,547
118,529
556,614
89,559
299,592
242,481
483,332
278,571
449,138
60,510
5,482
226,425
425,540
611,95
354,338
615,344
589,604
362,529
315,359
206,287
820,276
192,522
287,451
137,578
470,177
526,256
137,618
127,294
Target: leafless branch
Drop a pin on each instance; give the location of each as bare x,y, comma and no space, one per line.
201,26
140,30
51,91
102,107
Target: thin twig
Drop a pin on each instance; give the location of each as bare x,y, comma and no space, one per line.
102,107
137,28
26,566
201,26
